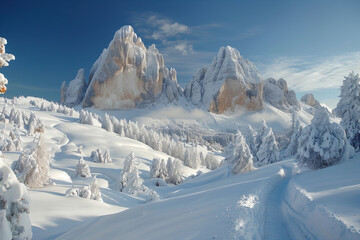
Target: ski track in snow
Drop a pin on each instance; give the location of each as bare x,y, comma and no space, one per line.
275,224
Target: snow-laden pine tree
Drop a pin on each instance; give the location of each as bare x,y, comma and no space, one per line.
323,143
294,140
82,168
158,169
14,206
107,124
348,109
97,156
211,162
130,180
250,137
191,159
241,158
107,158
32,167
173,167
268,149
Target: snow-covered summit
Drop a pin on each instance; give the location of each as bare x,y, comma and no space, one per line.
228,82
73,94
127,75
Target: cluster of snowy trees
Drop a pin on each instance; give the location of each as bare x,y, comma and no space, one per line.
91,191
169,171
252,149
97,156
13,143
44,105
14,206
22,121
158,141
32,167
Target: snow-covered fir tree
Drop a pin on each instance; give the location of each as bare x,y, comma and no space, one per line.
241,158
97,156
107,124
14,206
268,151
107,157
191,159
173,167
348,109
211,162
130,180
32,167
250,137
82,168
294,140
323,143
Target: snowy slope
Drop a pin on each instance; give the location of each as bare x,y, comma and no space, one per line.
247,206
277,201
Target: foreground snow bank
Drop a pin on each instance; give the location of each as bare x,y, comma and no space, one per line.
210,206
324,204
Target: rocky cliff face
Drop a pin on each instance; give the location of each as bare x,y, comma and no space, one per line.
310,100
229,82
127,75
73,94
277,94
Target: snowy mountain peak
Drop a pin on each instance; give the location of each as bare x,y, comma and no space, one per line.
127,75
73,94
229,82
127,34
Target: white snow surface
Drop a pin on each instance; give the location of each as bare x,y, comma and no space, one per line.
276,201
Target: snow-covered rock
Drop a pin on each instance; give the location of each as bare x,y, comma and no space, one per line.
229,81
127,75
73,94
276,93
310,100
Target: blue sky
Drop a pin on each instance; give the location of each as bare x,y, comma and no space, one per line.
311,44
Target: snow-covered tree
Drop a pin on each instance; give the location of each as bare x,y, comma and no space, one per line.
97,157
152,196
173,167
32,167
250,137
4,59
8,146
323,143
107,124
191,159
294,140
130,180
82,168
241,159
107,157
268,150
14,206
211,162
348,108
80,150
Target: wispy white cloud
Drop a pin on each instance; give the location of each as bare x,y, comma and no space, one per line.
308,74
166,30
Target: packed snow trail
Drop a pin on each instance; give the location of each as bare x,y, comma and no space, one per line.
275,224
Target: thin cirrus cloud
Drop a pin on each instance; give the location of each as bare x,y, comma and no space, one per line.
167,32
306,74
